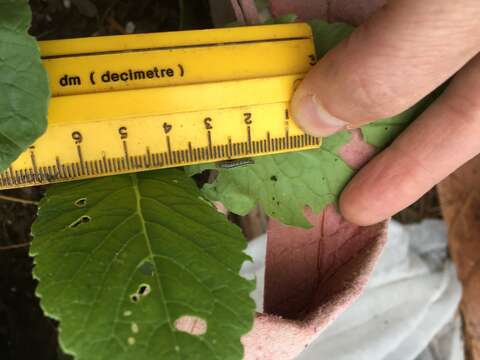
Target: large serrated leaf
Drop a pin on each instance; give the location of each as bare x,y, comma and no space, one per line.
121,259
24,90
283,184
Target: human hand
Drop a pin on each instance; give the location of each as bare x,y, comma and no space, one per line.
402,53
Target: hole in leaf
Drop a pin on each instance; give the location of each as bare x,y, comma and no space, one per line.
85,219
274,178
144,290
81,203
192,325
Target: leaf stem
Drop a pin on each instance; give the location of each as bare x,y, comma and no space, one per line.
18,200
15,246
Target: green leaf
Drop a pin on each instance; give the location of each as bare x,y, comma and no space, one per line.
120,259
24,90
328,35
283,184
381,133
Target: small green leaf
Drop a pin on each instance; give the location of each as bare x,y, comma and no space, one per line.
121,259
328,35
24,90
283,184
381,133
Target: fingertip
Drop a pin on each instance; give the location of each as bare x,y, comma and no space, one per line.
355,211
312,117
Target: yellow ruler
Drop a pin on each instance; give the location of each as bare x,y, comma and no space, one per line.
130,103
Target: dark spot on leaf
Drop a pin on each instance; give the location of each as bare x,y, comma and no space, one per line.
274,178
278,203
135,298
273,198
147,268
85,219
82,202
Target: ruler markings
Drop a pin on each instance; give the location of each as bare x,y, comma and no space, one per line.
34,163
169,159
125,150
210,147
230,148
103,165
173,156
81,168
50,173
59,166
149,157
249,139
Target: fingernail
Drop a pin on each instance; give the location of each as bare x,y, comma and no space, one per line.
312,117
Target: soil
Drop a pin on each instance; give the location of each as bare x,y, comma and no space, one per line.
25,333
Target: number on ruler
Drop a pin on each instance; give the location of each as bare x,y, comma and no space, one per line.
208,123
167,127
247,117
123,132
77,136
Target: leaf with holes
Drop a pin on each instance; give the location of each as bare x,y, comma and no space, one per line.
24,91
141,267
283,184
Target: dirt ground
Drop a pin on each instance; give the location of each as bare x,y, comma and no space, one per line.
25,333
